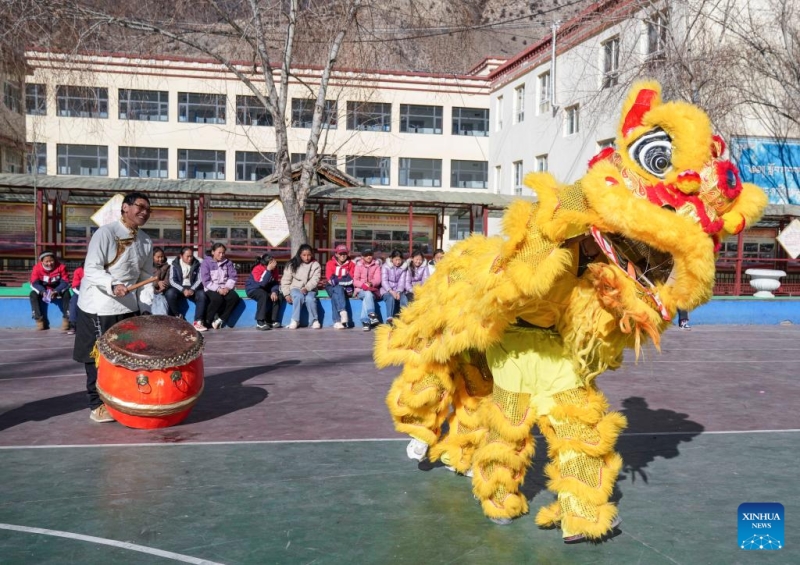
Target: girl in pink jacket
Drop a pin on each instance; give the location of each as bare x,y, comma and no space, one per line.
367,282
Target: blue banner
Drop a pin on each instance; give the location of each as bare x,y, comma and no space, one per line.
773,164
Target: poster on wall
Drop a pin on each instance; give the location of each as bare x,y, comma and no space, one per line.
17,229
771,163
233,228
384,232
166,227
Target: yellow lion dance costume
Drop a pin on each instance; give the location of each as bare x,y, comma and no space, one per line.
511,332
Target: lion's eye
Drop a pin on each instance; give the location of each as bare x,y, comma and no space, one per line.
653,151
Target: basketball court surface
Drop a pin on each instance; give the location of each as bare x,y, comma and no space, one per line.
290,457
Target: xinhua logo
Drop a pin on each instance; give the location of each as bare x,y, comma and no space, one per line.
761,525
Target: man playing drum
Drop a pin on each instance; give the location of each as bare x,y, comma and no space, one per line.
119,256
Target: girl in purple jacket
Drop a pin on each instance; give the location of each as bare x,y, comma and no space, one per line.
417,272
394,285
219,280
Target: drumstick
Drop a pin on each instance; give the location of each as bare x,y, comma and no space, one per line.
142,283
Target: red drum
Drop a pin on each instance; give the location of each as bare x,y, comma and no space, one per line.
150,370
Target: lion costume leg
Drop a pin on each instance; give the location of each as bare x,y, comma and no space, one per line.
473,384
535,380
419,400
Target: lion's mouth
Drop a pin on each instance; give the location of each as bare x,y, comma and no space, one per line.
646,265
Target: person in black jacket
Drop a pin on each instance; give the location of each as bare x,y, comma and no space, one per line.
263,287
185,283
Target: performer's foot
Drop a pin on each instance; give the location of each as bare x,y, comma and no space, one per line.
580,538
101,415
417,449
453,469
366,327
501,521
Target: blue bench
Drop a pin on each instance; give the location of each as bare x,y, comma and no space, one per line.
15,312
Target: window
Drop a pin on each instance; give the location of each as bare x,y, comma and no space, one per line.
82,101
12,97
252,165
469,174
420,172
545,93
519,104
471,121
499,117
37,159
420,119
459,227
498,179
152,105
330,160
369,116
201,108
610,62
541,163
370,170
303,113
657,35
83,160
251,112
36,99
201,164
571,120
517,178
143,162
13,161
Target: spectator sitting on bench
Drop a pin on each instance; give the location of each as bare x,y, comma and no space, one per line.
339,271
219,276
263,287
367,283
49,283
417,268
299,285
185,284
394,285
77,276
438,255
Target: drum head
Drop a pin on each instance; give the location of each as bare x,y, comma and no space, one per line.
151,343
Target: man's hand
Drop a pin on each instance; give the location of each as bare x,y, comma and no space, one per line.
274,297
289,299
162,285
120,290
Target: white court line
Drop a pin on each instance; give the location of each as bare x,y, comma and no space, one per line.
358,440
111,542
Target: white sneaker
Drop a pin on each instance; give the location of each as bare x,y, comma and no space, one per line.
292,325
338,326
217,323
344,318
417,449
315,325
200,326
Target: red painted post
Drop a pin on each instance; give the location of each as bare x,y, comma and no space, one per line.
39,212
737,283
349,236
410,229
201,226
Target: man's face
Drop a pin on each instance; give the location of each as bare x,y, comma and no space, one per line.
136,214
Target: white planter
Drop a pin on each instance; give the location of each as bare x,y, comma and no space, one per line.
765,281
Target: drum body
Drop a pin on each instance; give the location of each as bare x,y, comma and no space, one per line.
150,371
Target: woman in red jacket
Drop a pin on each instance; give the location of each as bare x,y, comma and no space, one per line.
339,272
49,283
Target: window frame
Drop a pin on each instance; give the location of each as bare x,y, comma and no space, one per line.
37,159
126,162
498,126
518,176
610,53
12,98
246,107
303,117
572,119
519,104
458,121
456,171
408,165
38,97
187,107
458,228
137,107
542,163
369,116
657,28
71,101
255,160
407,115
381,164
65,157
544,92
184,159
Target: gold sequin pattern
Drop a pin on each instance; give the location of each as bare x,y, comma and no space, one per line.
587,470
513,405
429,380
574,397
574,506
568,429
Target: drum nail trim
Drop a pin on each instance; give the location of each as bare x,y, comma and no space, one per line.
151,410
